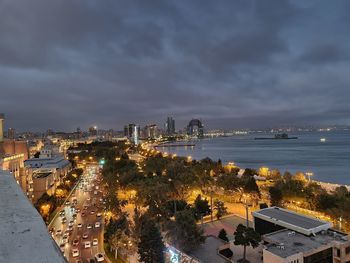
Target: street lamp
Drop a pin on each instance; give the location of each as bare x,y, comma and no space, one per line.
245,203
175,208
309,174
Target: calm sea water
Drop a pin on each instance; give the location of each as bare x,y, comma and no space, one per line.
329,161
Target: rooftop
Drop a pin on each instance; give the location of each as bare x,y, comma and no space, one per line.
22,230
285,243
41,174
55,162
293,221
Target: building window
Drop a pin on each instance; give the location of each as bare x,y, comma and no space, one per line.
347,250
337,252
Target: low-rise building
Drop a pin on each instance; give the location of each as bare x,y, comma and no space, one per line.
47,172
290,237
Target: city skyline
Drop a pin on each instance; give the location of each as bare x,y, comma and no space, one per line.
237,64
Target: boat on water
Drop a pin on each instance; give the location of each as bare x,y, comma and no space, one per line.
278,136
322,139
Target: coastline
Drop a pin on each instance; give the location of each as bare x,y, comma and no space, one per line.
328,186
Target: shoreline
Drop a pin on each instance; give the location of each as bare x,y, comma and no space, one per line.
328,186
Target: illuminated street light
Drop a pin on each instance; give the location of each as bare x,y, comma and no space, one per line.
309,175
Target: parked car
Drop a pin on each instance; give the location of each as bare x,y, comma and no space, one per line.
75,253
95,242
99,257
87,244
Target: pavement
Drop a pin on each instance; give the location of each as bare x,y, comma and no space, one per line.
87,206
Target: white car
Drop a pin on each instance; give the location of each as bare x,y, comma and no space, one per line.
95,242
99,214
99,257
87,244
97,224
85,236
62,247
80,225
58,232
75,253
89,226
65,240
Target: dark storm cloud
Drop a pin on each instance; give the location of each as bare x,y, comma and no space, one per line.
239,63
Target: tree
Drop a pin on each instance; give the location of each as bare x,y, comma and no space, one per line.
220,208
150,246
229,182
287,176
184,233
250,185
276,196
117,234
223,235
249,172
246,236
113,204
172,206
341,191
299,176
201,207
274,175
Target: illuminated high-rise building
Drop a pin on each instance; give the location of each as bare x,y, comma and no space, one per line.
2,117
93,131
11,133
170,126
151,131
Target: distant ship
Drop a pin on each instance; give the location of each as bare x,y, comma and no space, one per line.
279,136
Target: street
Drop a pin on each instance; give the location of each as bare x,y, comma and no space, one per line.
78,228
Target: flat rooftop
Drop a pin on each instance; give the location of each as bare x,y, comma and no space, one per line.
23,233
291,220
285,243
41,174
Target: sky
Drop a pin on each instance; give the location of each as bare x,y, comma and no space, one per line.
230,63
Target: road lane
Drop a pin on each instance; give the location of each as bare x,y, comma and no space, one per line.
87,200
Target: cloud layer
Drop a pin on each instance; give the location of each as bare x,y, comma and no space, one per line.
239,63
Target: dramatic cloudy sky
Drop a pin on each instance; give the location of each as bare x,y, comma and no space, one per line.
231,63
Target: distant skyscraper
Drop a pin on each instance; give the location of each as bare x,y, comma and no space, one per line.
129,129
195,128
170,126
2,117
126,131
136,134
132,131
93,131
11,133
151,131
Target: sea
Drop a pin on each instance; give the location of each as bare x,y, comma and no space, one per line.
328,160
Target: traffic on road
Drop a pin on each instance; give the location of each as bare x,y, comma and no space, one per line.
78,228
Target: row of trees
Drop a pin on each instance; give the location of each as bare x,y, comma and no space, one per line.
47,204
163,186
310,195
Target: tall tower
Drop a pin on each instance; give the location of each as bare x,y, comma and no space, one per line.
2,118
